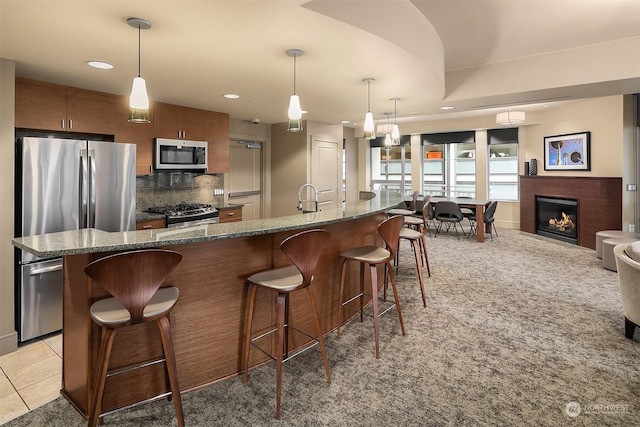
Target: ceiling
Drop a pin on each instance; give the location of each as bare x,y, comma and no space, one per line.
480,56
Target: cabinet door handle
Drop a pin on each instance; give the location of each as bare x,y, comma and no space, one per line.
150,169
231,213
70,124
62,123
146,227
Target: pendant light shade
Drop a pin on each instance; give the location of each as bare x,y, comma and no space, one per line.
294,112
387,140
395,132
369,128
139,100
510,118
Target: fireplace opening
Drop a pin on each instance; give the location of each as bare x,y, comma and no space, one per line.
557,218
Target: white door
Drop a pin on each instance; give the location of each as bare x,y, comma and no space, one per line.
245,178
325,164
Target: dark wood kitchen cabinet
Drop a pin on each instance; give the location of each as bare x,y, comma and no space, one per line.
48,106
218,142
149,224
231,213
178,122
140,134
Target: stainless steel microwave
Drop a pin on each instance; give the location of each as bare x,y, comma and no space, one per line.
180,154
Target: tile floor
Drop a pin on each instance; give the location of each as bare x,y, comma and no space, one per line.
30,377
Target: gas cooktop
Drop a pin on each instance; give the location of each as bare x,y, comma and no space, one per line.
187,214
185,209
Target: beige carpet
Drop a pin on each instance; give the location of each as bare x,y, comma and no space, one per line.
516,331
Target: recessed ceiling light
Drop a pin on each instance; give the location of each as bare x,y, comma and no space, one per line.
344,122
100,64
446,107
231,96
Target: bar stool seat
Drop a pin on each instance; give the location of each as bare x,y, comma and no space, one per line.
134,279
304,250
413,222
389,230
401,211
111,313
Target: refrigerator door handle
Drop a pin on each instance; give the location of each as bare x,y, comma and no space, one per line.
92,189
49,269
83,189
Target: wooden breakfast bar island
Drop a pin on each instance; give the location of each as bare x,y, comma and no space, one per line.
208,321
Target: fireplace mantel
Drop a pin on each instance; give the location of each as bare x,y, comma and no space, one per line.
599,202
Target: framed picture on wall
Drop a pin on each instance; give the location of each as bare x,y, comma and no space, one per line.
567,152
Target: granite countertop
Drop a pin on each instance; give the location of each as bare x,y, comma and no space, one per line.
91,240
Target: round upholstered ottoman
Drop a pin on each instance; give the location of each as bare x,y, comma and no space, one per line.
608,258
607,234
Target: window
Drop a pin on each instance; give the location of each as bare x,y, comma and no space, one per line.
390,167
503,164
449,164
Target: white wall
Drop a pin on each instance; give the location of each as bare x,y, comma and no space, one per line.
8,335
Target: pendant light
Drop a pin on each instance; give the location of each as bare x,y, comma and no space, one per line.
294,112
139,100
395,133
369,128
387,137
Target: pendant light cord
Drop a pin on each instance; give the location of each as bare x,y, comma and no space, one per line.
139,50
294,73
369,95
395,111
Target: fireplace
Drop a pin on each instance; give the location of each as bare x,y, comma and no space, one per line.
557,218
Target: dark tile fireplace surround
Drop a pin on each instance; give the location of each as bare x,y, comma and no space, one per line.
589,204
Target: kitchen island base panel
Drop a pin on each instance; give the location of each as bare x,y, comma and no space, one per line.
208,322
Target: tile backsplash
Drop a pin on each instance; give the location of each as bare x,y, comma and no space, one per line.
172,188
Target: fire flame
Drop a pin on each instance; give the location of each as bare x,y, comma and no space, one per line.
566,223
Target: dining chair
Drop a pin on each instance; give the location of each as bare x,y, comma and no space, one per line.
448,212
488,219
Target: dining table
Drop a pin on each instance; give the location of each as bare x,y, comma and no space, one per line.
479,205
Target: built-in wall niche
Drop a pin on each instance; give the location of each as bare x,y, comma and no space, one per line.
599,203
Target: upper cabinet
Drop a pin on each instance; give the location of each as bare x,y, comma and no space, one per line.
140,134
177,122
46,106
217,137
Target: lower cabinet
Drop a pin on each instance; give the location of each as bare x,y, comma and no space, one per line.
230,213
149,224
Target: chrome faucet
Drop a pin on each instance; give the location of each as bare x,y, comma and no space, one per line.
315,192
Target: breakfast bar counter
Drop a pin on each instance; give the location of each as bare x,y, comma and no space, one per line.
209,319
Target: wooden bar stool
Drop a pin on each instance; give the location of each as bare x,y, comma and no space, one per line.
403,211
133,279
389,230
304,250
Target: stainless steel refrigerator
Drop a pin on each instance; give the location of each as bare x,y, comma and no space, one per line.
65,184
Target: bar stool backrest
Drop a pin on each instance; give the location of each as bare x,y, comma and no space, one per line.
304,250
426,209
133,277
389,230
